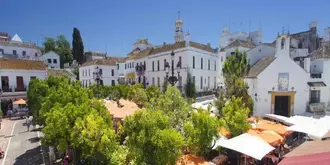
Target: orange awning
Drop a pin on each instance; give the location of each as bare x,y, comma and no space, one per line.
266,125
267,136
191,160
20,101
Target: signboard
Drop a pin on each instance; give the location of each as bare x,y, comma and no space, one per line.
283,82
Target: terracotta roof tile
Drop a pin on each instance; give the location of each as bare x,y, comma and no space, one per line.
202,46
321,52
19,44
238,43
59,72
169,47
21,64
310,147
140,54
108,62
260,66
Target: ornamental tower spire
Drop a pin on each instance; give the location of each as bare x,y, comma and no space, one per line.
178,29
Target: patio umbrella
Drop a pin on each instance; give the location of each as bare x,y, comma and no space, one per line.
247,144
20,101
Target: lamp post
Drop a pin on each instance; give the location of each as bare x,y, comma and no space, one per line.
172,79
97,75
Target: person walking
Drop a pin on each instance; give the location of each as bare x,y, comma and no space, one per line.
28,123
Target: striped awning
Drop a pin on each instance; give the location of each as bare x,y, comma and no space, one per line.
316,84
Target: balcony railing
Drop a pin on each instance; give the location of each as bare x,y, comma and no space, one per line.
316,75
20,89
6,89
140,68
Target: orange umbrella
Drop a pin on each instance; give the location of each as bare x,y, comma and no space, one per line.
20,101
268,137
264,125
191,160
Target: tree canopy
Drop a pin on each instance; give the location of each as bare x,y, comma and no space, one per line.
190,88
77,46
61,46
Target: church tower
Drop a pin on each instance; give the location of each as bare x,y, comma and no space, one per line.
178,29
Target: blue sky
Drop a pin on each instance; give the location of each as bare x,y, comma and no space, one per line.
114,25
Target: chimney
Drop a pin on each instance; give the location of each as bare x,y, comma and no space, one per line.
307,64
187,39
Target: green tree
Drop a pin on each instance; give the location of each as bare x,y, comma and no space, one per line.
36,93
200,131
77,46
49,45
173,105
190,88
165,86
153,92
235,116
234,70
63,50
151,138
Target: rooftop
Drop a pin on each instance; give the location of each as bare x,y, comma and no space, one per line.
21,64
260,66
110,61
240,43
59,72
323,52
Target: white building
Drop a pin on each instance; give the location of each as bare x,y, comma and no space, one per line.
146,63
15,78
16,48
228,37
107,68
279,85
51,59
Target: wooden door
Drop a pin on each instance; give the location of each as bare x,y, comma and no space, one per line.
20,83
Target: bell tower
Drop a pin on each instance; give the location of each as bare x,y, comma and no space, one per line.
178,29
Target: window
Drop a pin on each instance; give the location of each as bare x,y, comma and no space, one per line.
55,61
215,65
153,65
215,82
232,53
132,64
144,65
14,52
125,66
24,53
82,72
36,54
1,51
194,80
33,77
49,61
201,63
315,96
194,62
221,58
208,64
89,72
164,64
158,81
112,72
208,82
153,81
201,83
117,66
158,65
100,71
180,61
113,82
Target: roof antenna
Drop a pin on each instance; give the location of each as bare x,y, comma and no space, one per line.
178,14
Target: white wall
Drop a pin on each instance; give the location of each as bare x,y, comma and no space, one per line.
317,66
298,53
30,52
268,79
86,74
51,59
257,53
26,74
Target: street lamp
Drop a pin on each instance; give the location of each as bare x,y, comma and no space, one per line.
172,79
97,75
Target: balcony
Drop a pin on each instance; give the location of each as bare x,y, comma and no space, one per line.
20,89
316,75
140,68
6,89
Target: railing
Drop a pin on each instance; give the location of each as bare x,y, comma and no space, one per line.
20,89
6,89
317,107
316,75
140,68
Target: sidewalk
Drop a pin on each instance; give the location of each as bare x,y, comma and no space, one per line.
5,133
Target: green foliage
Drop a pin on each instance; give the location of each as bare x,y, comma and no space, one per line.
49,45
190,88
153,92
220,103
61,46
76,72
151,138
36,93
235,116
200,131
77,46
165,86
173,105
139,97
234,70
